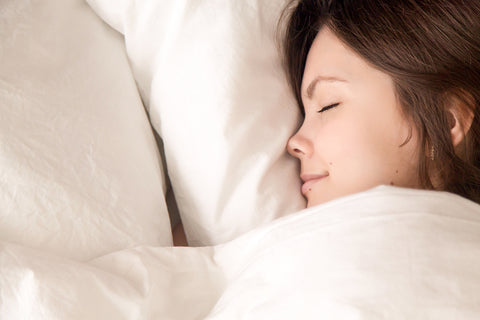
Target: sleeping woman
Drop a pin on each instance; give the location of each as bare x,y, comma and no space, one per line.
390,94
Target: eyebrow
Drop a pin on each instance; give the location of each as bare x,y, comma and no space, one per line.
311,87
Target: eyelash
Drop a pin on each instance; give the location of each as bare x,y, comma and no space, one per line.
328,107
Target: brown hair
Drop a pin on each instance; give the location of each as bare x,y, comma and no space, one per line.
430,48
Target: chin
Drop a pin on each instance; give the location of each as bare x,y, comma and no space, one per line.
315,201
323,197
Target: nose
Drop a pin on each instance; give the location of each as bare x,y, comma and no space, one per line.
299,145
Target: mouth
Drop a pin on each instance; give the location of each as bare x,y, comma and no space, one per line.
309,180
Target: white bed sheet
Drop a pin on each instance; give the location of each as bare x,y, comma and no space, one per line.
387,253
80,172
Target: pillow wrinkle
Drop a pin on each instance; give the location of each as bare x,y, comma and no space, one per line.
210,76
81,174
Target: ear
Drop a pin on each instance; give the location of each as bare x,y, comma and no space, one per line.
460,118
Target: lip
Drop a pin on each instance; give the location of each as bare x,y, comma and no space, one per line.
309,180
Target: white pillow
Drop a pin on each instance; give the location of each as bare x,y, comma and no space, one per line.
210,75
80,173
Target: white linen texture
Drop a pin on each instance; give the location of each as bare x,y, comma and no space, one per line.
84,229
80,172
209,73
387,253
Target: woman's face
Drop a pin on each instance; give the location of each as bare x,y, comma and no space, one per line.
353,128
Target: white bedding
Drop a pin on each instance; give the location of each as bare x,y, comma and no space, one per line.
387,253
80,172
84,230
210,75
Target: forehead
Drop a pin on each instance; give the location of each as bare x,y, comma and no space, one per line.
329,57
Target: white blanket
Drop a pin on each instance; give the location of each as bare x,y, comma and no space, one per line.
387,253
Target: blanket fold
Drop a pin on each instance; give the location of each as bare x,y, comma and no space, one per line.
387,253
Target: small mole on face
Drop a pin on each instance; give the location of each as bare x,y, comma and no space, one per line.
391,183
396,171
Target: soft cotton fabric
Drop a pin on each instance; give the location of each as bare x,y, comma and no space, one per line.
210,76
387,253
80,173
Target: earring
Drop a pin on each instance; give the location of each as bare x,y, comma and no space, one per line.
432,153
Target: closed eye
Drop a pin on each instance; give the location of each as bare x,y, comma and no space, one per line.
328,107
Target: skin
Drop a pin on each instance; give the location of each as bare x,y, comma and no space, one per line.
355,145
179,237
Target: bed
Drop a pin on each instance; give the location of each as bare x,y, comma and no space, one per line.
120,118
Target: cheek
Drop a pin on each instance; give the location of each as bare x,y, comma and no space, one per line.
350,139
348,153
375,157
333,141
363,148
